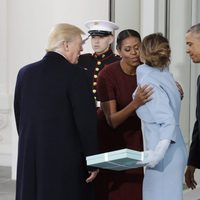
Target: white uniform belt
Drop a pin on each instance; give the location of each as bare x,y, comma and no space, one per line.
97,104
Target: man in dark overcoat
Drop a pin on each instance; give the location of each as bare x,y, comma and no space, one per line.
193,49
56,122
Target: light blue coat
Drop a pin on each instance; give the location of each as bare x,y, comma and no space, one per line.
160,119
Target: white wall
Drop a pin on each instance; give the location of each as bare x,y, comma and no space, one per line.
148,11
5,103
127,14
179,22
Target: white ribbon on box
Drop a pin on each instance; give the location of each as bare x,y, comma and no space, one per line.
98,104
106,157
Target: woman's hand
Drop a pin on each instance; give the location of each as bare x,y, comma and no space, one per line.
116,117
143,95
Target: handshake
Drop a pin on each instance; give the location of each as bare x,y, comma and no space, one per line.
154,157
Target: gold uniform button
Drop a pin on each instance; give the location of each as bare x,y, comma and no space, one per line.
95,76
95,83
103,55
97,69
98,62
94,91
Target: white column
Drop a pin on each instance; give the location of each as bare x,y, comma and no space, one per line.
4,97
127,15
3,49
5,104
147,18
179,22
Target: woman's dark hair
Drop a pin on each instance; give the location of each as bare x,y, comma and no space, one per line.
125,34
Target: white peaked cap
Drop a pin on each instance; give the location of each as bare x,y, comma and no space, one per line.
101,26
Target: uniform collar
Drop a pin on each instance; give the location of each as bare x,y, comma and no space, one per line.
103,55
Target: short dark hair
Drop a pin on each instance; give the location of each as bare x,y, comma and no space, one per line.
155,50
125,34
194,29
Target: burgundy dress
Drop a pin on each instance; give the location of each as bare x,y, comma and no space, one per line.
114,84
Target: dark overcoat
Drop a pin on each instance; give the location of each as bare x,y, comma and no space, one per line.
194,158
56,122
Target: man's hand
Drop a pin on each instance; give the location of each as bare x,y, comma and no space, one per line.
189,177
92,176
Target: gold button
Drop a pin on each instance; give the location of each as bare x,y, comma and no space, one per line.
95,76
98,62
94,91
94,83
103,55
95,98
97,69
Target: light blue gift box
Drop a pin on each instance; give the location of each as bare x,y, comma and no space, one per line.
117,160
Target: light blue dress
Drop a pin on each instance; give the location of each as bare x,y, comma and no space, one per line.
160,119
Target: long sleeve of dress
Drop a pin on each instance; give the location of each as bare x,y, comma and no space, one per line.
158,111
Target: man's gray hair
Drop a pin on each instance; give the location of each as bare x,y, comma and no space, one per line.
195,29
60,33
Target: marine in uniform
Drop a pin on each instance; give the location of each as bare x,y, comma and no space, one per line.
101,33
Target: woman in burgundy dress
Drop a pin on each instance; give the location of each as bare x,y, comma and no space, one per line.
118,125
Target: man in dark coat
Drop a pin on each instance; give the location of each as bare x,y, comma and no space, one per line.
193,49
56,122
101,33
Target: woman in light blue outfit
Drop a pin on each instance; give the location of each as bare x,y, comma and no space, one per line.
160,116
